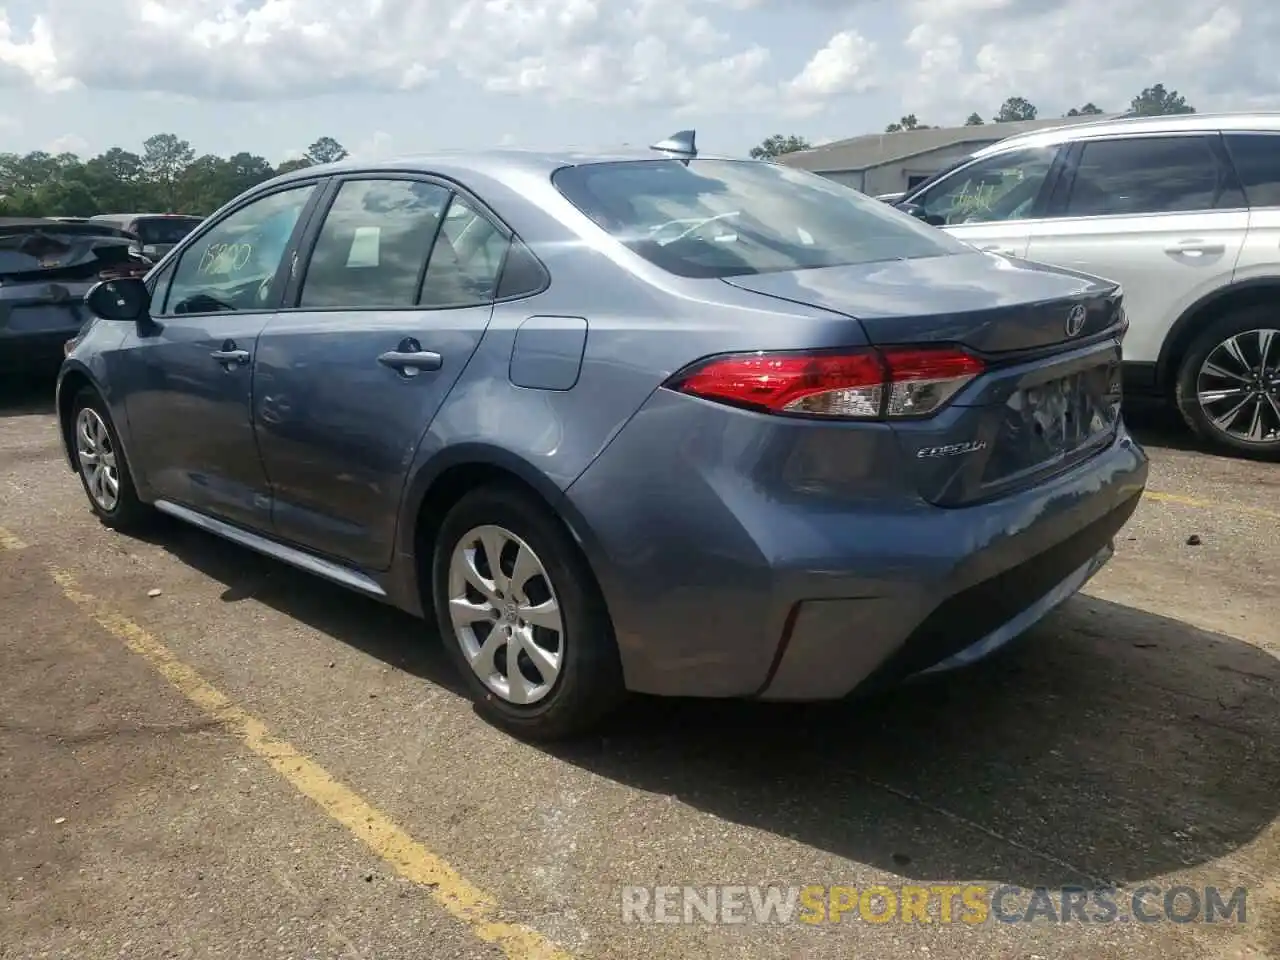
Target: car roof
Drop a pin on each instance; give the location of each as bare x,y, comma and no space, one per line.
496,163
1111,127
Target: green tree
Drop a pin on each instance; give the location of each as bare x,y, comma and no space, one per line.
909,122
297,163
777,145
974,120
1157,102
1016,108
1088,110
326,150
165,157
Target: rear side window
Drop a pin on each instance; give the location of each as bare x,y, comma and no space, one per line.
725,218
466,260
1257,161
1141,175
373,245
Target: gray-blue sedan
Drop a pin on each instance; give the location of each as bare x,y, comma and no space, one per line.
651,422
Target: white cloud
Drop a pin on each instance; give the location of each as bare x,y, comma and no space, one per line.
378,146
673,54
973,54
842,66
67,143
946,59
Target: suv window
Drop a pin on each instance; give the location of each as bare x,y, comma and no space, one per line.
727,218
164,230
231,266
992,190
465,261
1257,161
1139,175
373,245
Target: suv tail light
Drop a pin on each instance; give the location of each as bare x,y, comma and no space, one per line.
864,384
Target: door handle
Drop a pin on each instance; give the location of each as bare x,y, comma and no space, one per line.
1195,248
409,358
230,354
996,248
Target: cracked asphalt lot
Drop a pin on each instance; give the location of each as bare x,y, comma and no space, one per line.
1133,738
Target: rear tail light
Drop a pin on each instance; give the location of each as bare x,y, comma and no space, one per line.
866,384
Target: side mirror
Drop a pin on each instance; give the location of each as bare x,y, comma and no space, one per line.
126,299
917,211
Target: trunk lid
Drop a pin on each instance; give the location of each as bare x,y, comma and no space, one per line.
47,267
1049,397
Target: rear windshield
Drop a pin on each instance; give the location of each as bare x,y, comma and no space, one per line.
164,229
728,218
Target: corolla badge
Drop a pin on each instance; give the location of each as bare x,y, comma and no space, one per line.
951,450
1075,320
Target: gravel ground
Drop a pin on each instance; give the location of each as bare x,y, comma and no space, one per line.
1132,739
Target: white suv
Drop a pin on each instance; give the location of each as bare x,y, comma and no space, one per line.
1183,212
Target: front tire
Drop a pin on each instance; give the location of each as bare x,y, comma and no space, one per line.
1228,387
101,465
522,618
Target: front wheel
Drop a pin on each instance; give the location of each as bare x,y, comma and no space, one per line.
522,618
101,464
1228,387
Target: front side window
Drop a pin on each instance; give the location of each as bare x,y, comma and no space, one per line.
724,218
232,265
158,285
373,246
1257,161
1141,175
992,190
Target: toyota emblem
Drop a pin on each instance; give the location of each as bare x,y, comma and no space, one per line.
1075,320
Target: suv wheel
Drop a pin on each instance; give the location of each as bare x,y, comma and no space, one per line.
521,617
1228,387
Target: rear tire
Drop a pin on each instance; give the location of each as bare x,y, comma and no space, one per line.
101,465
567,679
1227,391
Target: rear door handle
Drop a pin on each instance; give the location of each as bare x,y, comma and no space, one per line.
409,358
1195,248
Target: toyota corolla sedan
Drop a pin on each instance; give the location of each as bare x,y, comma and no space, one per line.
652,422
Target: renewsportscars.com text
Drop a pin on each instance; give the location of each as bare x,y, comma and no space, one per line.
971,904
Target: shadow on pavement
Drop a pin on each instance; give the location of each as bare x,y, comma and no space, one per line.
381,631
28,394
1160,426
1110,745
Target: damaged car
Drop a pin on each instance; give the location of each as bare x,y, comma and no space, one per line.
46,268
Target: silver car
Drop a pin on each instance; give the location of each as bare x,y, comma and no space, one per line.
1184,213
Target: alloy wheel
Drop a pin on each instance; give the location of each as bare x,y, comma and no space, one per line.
1238,386
97,459
505,614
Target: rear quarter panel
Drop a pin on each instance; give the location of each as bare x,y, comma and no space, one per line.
642,325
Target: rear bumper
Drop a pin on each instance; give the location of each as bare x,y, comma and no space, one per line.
34,332
736,565
966,624
25,351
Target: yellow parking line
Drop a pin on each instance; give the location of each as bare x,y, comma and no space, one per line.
409,858
1207,504
9,541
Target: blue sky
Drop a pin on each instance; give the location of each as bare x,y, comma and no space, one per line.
396,76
